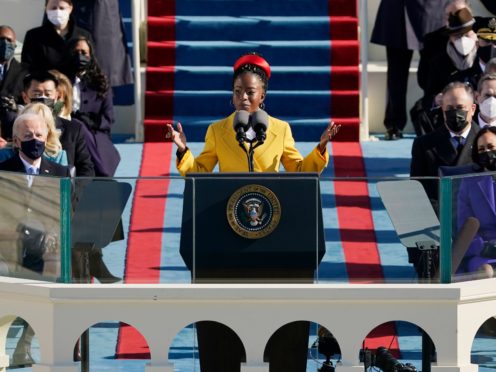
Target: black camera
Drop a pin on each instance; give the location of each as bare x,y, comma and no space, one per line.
327,346
34,243
385,361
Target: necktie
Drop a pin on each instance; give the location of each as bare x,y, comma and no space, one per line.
459,144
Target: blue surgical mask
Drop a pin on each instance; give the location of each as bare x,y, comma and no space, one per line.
33,149
7,50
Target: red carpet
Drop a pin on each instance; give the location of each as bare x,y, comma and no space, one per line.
161,60
145,236
356,228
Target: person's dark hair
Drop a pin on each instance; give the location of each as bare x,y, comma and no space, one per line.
475,148
94,76
458,84
39,76
254,69
486,77
67,1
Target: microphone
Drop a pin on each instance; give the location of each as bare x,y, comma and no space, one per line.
260,123
241,124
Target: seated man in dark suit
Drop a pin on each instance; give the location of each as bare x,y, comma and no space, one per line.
11,75
42,87
447,146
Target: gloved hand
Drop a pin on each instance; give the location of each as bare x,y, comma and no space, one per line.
8,103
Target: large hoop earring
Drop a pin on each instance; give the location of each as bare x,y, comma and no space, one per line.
262,106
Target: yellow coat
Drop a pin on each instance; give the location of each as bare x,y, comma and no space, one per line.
222,147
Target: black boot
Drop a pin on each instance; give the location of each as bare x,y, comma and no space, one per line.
98,269
22,354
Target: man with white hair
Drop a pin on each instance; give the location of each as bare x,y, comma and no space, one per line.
29,135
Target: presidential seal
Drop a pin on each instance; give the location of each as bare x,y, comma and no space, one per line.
253,211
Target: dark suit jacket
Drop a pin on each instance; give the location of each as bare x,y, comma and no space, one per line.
390,25
103,20
74,143
44,49
11,85
47,167
435,149
490,5
443,71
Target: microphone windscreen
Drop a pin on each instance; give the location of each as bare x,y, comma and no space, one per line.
260,120
241,120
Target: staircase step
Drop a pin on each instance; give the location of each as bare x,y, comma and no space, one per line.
257,27
283,77
301,103
293,53
253,7
303,129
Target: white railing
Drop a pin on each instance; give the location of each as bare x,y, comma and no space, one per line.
59,314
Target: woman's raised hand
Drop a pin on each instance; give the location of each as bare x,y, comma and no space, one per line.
177,136
328,135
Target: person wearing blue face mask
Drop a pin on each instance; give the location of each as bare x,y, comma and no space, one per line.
45,47
11,75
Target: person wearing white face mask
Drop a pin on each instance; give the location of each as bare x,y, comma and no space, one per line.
45,47
486,99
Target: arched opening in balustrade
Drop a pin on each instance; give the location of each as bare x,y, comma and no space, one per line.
183,351
484,346
397,343
207,343
114,345
306,345
19,346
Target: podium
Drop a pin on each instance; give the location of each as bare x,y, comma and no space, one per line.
219,241
252,228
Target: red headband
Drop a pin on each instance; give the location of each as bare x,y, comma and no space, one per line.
252,59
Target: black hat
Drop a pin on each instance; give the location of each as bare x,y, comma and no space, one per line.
486,28
460,22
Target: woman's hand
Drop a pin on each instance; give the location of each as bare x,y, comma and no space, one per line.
177,136
328,135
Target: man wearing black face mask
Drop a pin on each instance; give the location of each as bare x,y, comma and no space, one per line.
29,136
449,145
11,75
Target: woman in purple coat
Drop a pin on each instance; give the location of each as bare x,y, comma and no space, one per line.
92,104
477,198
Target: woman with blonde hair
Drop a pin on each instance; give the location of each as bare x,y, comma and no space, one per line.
63,107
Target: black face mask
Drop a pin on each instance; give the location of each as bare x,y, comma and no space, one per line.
50,102
80,61
33,149
487,52
456,119
487,160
